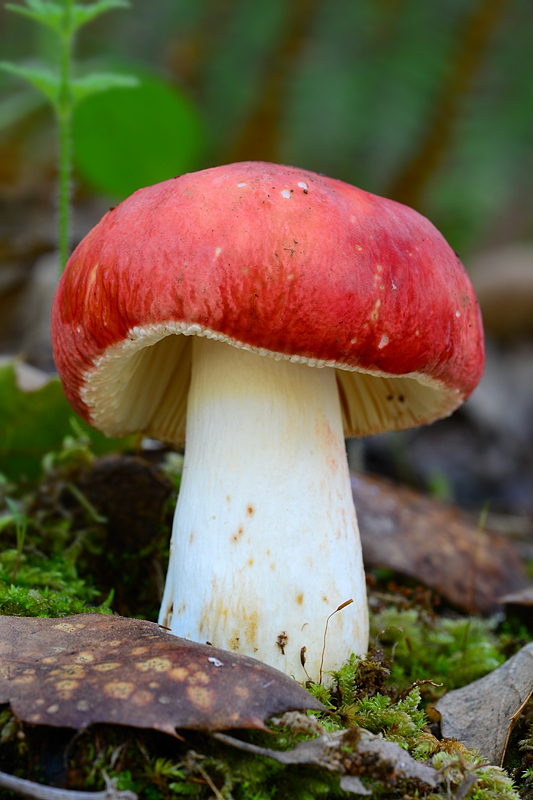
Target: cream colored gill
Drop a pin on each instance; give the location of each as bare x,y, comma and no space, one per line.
142,383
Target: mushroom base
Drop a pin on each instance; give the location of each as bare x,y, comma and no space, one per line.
265,545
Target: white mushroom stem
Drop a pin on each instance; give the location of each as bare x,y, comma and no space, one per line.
265,544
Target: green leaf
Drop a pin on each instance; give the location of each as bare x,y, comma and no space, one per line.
35,423
84,14
46,81
43,11
53,15
100,82
124,140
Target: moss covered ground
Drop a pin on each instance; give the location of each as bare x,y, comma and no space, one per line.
66,548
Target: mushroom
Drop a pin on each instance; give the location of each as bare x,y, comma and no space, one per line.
263,312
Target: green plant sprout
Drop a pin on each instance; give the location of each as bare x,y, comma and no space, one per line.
61,88
21,525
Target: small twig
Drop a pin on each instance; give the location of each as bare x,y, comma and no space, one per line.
390,628
418,682
38,791
475,557
247,747
393,649
207,779
512,722
466,784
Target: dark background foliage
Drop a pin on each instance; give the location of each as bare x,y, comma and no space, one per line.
428,103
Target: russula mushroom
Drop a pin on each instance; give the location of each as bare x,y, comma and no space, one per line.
265,312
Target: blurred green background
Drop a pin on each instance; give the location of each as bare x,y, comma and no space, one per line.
430,103
427,102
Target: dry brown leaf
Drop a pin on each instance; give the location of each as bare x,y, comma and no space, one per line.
522,598
89,668
481,714
351,753
437,544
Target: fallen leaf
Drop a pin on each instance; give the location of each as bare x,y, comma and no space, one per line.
33,423
352,753
482,714
437,544
131,494
89,668
520,605
521,598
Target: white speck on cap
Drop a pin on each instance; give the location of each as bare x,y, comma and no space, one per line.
240,185
384,341
302,184
285,193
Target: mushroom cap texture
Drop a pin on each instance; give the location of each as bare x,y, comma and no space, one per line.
279,260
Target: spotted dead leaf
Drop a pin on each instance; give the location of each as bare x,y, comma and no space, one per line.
482,713
435,543
89,668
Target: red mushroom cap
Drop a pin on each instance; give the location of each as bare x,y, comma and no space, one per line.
277,260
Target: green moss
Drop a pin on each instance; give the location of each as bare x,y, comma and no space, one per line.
64,563
59,567
453,651
37,571
18,601
400,722
492,782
